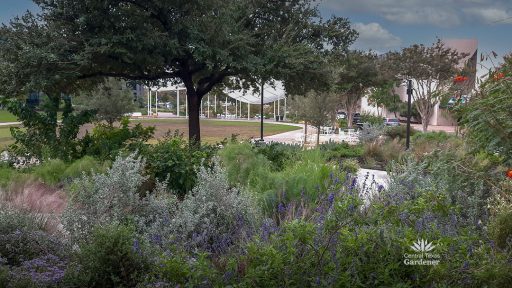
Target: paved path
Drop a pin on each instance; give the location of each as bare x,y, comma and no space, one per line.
371,179
9,123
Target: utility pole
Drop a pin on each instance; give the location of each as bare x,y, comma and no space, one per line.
409,96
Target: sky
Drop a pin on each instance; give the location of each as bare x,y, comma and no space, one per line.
385,25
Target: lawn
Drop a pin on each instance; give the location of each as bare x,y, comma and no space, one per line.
213,131
5,136
5,116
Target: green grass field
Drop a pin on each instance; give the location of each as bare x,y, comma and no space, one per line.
212,131
5,136
5,116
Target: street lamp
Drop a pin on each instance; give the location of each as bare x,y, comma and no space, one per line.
409,96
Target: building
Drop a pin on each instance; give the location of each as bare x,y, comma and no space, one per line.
440,116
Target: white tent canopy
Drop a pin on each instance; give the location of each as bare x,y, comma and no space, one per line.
271,93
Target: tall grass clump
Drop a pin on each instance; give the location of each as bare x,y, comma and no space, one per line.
305,173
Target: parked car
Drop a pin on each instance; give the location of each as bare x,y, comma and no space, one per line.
356,117
341,115
391,122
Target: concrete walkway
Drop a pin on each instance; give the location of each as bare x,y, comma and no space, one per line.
9,123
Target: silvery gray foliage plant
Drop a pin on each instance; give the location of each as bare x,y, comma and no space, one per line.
411,178
215,216
105,198
370,133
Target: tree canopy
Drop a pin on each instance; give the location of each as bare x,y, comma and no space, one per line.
432,70
357,72
198,43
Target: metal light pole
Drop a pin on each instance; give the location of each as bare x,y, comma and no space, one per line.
261,113
409,96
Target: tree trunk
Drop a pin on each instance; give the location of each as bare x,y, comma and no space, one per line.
424,123
194,128
350,117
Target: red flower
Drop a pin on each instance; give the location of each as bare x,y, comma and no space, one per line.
460,78
499,76
509,173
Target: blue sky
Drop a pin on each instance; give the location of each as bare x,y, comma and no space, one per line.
391,24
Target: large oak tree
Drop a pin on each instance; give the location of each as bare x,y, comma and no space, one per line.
198,43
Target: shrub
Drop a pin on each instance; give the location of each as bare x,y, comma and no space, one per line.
45,271
22,237
501,229
350,166
42,135
342,123
113,258
4,273
371,132
214,216
102,199
174,161
399,132
335,151
437,137
307,175
279,154
371,119
106,141
241,162
380,154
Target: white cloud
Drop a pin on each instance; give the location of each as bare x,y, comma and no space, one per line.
374,36
490,15
443,13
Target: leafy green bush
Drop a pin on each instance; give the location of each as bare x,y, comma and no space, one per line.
486,117
438,137
174,161
399,132
501,229
371,119
42,135
342,123
336,151
106,141
113,258
279,154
